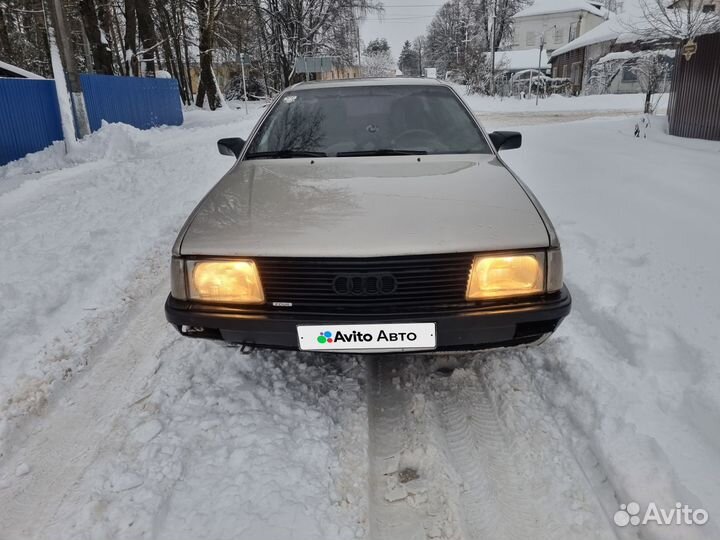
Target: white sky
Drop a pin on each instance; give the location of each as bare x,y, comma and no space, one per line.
402,20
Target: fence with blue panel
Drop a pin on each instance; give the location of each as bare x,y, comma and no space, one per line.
140,102
29,117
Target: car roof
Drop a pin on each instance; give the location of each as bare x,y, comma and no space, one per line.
388,81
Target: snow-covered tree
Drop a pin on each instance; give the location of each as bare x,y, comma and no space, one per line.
603,73
652,69
378,64
409,61
377,45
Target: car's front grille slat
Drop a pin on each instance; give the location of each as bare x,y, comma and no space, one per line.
419,282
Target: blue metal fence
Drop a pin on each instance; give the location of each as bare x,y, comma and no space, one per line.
140,102
29,117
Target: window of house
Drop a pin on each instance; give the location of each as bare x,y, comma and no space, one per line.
575,73
530,38
572,34
708,8
558,35
565,71
629,74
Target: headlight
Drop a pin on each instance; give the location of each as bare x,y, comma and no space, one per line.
233,281
502,276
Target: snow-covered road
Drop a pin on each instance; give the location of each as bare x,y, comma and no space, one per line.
113,426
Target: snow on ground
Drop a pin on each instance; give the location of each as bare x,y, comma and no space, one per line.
77,228
635,372
605,104
116,427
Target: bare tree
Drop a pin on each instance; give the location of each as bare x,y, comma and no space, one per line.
652,69
148,39
681,20
460,33
296,28
129,54
207,12
101,54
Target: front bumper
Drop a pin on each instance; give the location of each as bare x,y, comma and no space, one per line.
481,327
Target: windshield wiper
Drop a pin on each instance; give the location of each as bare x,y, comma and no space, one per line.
284,154
383,152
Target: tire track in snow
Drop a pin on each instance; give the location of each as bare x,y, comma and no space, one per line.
494,500
402,507
489,459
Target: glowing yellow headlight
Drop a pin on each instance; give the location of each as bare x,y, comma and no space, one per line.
235,281
505,276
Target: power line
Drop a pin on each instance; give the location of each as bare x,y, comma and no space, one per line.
438,5
412,17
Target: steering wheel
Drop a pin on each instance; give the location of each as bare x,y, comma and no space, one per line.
414,133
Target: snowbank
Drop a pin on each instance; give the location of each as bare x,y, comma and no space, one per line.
634,372
75,230
555,103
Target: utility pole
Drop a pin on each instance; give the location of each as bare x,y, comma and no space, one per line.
419,44
242,67
58,20
357,41
492,49
537,90
542,44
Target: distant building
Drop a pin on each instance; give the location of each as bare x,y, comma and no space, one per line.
602,60
513,62
709,6
555,23
324,68
341,72
14,72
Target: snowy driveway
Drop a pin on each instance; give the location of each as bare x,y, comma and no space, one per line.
115,427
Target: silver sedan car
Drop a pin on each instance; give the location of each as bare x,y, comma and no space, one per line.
369,216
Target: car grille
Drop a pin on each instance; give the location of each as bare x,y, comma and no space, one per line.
366,285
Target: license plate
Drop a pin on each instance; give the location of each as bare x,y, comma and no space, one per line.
364,337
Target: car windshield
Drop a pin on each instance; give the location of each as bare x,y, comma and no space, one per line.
368,120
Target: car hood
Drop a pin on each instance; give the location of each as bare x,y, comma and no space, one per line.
364,207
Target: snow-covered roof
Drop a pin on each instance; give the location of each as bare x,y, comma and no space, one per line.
545,7
19,71
611,30
627,26
517,60
628,55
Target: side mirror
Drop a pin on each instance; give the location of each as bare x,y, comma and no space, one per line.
231,146
506,140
